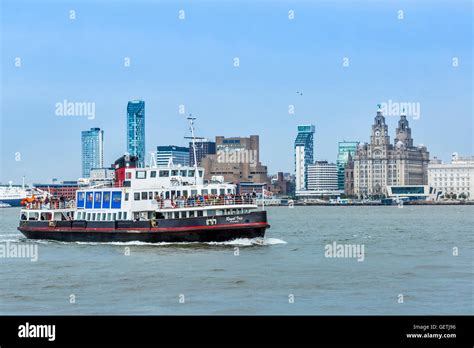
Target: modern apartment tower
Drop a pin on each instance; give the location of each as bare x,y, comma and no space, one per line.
303,155
346,149
92,150
136,130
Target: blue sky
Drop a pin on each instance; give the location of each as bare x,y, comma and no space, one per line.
190,62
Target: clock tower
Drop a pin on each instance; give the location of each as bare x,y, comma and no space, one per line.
403,132
379,130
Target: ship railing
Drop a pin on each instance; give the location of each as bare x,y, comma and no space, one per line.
55,205
201,202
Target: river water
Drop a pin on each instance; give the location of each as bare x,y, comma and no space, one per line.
410,260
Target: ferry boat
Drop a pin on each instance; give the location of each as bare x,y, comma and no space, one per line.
152,204
12,195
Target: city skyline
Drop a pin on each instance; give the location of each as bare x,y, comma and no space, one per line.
194,65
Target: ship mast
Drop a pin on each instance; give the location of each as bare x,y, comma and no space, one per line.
193,138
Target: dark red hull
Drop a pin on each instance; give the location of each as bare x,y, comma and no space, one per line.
166,230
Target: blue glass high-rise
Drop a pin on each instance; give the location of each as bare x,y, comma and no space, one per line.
345,149
304,143
136,130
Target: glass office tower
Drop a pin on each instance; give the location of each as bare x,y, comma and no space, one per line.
92,150
136,130
344,149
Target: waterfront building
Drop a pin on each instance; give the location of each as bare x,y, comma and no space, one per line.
322,176
136,130
281,184
455,179
102,176
65,189
236,160
204,147
349,177
380,164
404,193
175,154
92,150
250,187
304,143
345,149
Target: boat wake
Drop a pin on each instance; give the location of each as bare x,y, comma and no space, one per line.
235,242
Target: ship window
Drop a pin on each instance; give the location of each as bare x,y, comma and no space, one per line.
109,216
174,173
182,172
150,195
183,214
98,217
178,193
167,195
144,196
191,173
125,215
136,196
191,213
229,190
126,196
211,212
93,216
176,215
103,216
128,175
88,216
114,216
200,173
214,191
153,174
222,191
185,193
199,213
194,192
204,191
164,173
140,174
120,215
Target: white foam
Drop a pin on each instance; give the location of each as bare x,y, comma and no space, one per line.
236,242
248,242
9,240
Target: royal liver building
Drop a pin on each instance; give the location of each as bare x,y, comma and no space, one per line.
381,164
